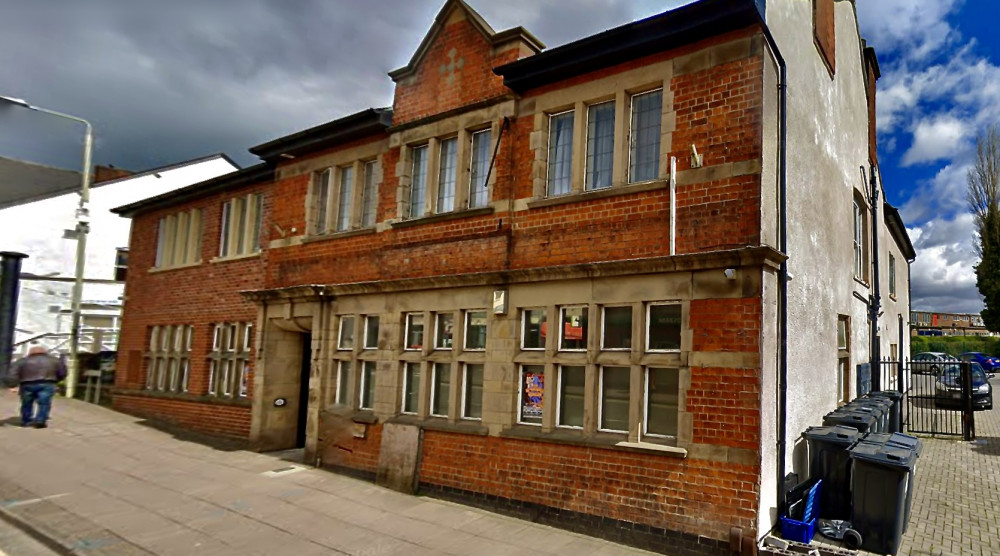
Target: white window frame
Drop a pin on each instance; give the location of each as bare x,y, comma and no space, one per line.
859,258
433,392
472,164
649,311
465,391
437,338
892,279
363,383
367,344
178,240
406,332
344,319
559,391
645,402
342,396
524,323
239,230
439,209
631,135
600,397
229,361
587,186
345,198
406,385
319,213
562,330
369,194
604,325
465,331
422,206
548,153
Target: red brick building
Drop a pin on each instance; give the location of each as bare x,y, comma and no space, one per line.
516,288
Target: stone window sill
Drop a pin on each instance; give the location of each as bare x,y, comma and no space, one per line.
442,217
184,396
440,424
609,441
339,235
230,258
157,270
613,191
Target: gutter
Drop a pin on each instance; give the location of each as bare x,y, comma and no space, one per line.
782,384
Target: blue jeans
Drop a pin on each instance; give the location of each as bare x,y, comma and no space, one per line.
40,392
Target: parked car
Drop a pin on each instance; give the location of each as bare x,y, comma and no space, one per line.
928,362
988,363
948,387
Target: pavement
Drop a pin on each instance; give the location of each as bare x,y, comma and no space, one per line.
956,504
97,482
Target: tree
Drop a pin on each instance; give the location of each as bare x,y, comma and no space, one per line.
984,202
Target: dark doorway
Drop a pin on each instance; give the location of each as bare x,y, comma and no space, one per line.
300,430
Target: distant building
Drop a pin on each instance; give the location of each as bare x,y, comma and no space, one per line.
36,226
927,323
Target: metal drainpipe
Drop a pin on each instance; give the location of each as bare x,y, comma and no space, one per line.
876,302
782,384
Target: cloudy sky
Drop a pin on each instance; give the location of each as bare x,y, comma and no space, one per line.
169,81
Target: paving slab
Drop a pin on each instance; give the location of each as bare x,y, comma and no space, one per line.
97,482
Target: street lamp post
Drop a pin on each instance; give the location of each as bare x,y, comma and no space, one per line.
81,231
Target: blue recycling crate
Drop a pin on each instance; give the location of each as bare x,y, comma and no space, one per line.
802,530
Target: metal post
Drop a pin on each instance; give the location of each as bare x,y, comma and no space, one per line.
968,419
82,229
10,274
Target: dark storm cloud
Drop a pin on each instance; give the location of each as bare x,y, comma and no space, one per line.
169,81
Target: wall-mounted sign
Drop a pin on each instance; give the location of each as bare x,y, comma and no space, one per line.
280,402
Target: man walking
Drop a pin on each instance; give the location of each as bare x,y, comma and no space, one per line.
37,374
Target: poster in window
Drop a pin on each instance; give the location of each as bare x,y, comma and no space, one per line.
533,389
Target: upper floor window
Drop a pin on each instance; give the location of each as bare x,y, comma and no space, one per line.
447,173
600,145
343,198
479,193
121,263
860,238
369,198
240,226
418,185
892,276
612,154
560,166
178,241
644,136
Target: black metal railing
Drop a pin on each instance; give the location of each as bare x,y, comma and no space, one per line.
938,396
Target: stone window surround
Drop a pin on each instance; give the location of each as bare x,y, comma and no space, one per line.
234,350
160,359
252,216
620,88
171,253
462,126
359,167
593,359
352,359
860,237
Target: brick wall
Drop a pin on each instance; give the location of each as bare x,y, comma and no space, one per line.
455,71
218,419
201,295
687,495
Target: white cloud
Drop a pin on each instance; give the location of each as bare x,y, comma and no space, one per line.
942,196
943,277
941,137
915,29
